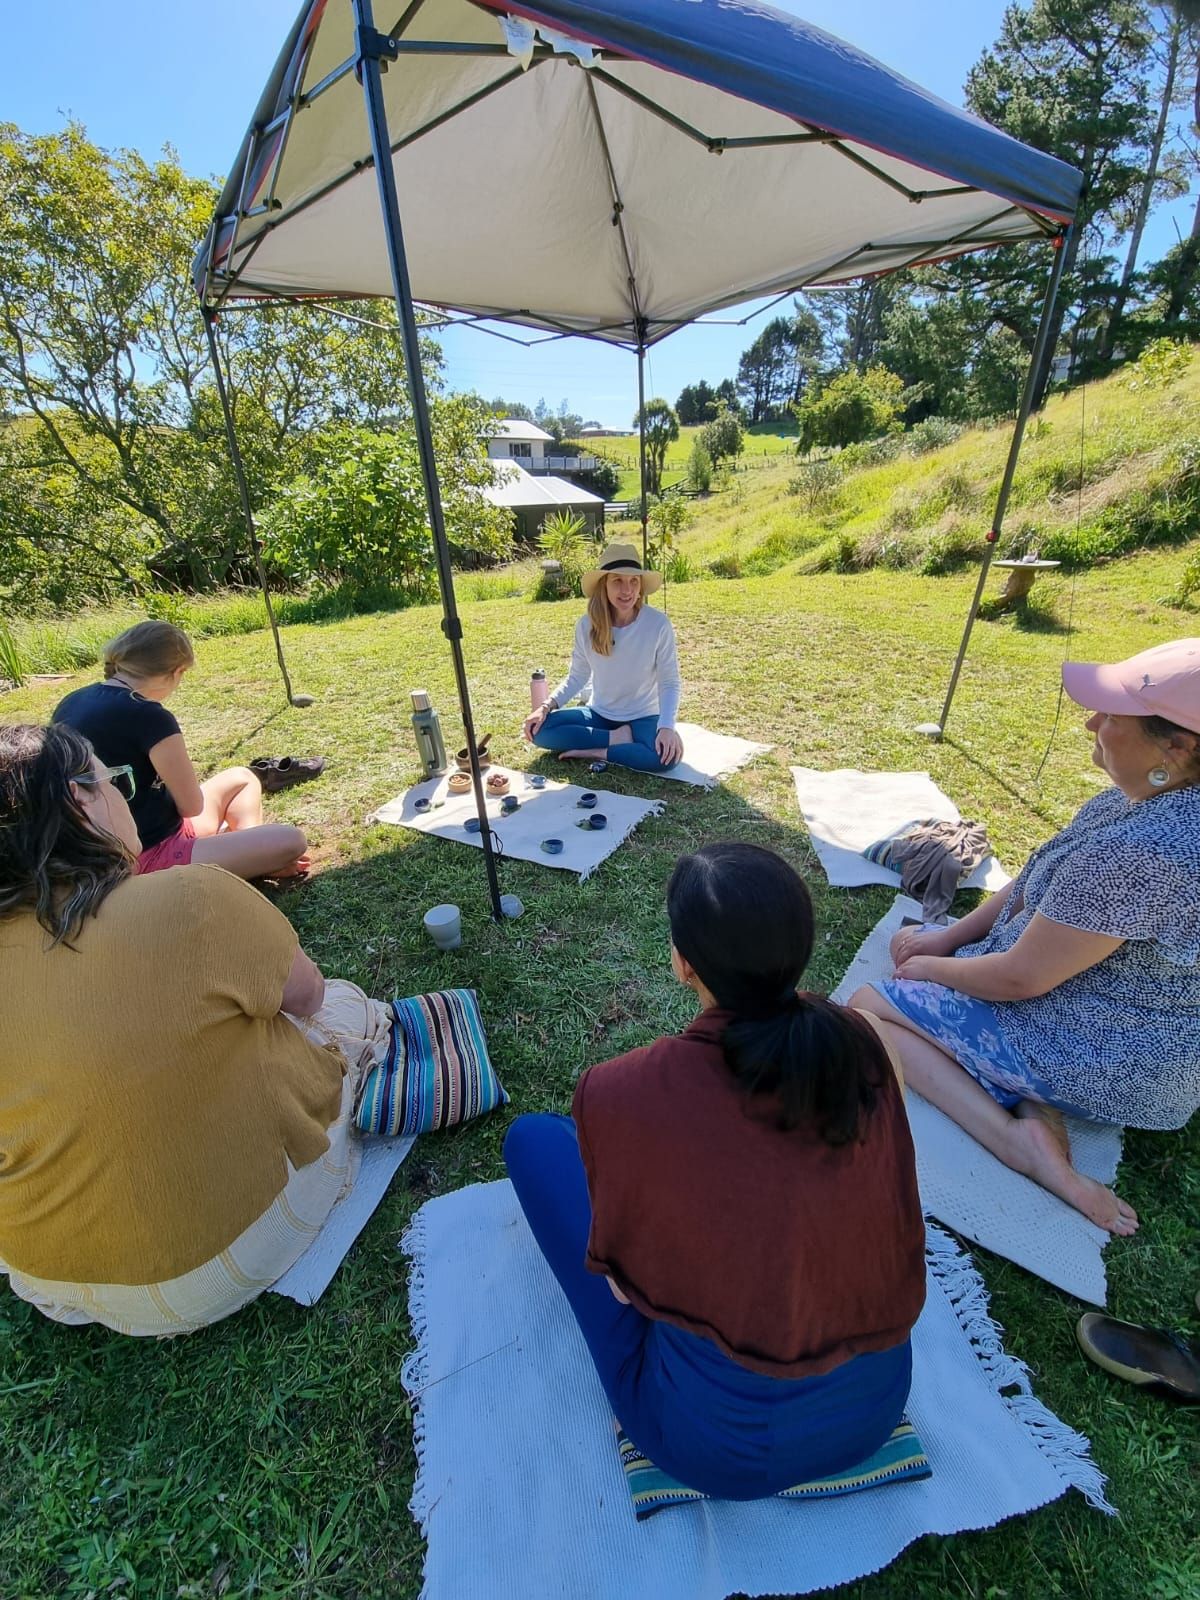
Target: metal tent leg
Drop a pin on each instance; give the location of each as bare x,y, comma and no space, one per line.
373,49
239,472
641,355
935,730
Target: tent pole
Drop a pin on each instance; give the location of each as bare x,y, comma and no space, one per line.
374,48
239,472
641,355
935,730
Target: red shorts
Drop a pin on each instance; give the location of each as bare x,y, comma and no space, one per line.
173,851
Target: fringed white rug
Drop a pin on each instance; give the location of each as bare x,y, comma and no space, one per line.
845,811
379,1160
975,1194
547,813
709,757
519,1491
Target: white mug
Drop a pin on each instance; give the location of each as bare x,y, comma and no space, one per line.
443,924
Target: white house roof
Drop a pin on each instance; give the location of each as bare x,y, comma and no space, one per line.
511,428
520,490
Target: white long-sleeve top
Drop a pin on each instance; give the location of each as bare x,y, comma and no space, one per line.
639,679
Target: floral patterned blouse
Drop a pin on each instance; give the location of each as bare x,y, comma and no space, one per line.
1121,1040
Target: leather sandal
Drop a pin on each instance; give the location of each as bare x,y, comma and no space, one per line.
498,783
1157,1360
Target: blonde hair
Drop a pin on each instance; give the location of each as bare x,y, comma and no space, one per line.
148,650
600,615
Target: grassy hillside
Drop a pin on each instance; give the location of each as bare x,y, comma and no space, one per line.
1103,471
272,1455
765,442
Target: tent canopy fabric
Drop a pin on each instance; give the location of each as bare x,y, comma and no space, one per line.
615,168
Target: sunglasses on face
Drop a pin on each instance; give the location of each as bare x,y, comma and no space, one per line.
121,779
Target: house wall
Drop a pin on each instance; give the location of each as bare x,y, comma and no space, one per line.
520,450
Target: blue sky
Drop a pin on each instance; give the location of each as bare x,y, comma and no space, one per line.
188,74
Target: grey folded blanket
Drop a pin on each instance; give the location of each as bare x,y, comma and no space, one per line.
932,858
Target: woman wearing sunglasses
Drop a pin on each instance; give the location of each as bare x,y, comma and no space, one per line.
178,818
177,1077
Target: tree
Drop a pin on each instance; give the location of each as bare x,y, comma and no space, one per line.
104,365
662,429
499,407
693,404
724,436
1155,180
358,517
1070,77
850,407
773,372
726,395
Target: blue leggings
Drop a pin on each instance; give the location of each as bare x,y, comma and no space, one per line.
706,1421
581,728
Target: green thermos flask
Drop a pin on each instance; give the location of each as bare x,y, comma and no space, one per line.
427,726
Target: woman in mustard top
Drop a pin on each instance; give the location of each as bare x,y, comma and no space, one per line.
177,1081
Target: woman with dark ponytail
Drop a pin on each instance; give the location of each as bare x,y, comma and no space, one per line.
733,1213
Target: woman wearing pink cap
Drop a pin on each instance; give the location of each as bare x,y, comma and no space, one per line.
1077,988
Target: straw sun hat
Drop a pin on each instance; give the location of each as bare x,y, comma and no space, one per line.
620,558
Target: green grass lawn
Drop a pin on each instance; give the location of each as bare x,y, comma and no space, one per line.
272,1455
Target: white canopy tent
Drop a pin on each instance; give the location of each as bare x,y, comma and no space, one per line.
687,156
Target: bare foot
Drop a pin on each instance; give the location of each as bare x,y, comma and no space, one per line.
1034,1150
582,755
300,868
621,735
1051,1117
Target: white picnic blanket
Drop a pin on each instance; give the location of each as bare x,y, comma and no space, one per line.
708,757
846,811
519,1492
306,1280
967,1188
551,812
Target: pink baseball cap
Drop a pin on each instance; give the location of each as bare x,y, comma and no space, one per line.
1161,682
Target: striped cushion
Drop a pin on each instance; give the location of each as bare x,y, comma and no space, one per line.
437,1070
902,1457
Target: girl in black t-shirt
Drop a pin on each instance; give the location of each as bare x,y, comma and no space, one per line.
179,819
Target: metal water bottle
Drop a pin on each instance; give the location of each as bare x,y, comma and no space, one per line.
427,726
538,693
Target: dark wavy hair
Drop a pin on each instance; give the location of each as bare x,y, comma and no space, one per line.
742,918
51,859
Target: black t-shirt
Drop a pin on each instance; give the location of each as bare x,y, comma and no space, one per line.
123,729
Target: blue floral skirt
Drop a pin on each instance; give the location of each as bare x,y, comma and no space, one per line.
970,1031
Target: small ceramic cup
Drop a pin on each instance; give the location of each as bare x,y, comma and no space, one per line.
509,804
552,847
471,825
537,780
443,924
586,801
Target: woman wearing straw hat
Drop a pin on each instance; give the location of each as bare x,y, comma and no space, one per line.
625,652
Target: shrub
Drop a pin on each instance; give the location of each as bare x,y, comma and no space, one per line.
934,433
700,468
724,437
358,517
850,407
1160,363
562,540
726,566
818,482
12,664
872,452
668,517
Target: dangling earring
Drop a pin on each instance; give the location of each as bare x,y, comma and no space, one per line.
1159,777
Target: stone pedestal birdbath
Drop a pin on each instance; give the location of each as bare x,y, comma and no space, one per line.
1021,575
